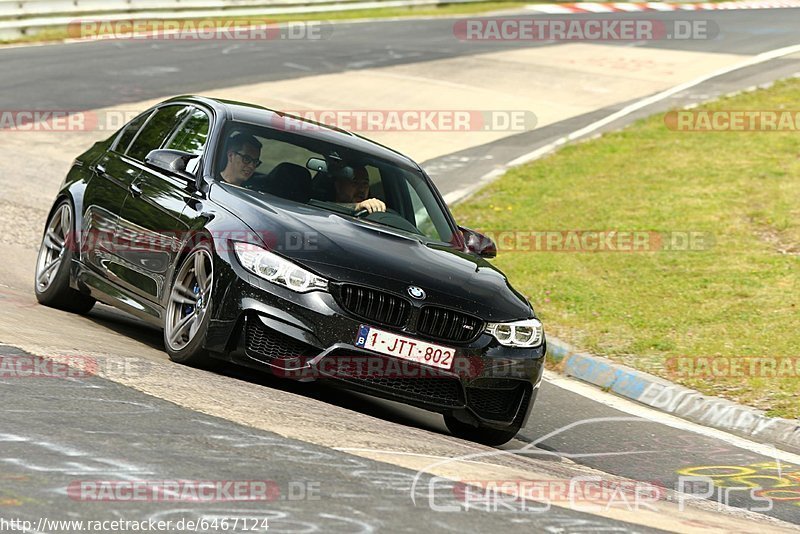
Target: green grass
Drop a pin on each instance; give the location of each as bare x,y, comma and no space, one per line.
60,33
738,298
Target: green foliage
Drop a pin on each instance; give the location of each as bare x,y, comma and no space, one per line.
736,298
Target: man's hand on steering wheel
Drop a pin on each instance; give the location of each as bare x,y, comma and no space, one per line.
371,205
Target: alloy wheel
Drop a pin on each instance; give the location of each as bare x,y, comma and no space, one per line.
189,299
54,247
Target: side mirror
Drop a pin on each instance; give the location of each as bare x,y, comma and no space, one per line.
478,244
172,162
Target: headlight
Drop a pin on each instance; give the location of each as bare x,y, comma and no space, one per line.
527,333
277,270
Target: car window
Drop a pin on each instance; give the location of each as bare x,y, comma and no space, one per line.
155,132
130,132
288,171
275,152
421,215
191,136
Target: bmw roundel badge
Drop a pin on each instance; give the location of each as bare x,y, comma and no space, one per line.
416,292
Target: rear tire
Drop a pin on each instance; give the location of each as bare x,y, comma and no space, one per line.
481,434
52,283
189,308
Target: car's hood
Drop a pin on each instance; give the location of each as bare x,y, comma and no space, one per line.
346,250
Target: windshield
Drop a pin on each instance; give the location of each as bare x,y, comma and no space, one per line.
331,177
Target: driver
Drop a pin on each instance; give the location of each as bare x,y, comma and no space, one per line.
354,192
242,159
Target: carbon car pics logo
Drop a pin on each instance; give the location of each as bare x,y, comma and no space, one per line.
199,30
744,492
758,487
688,120
571,29
407,120
526,495
596,241
63,367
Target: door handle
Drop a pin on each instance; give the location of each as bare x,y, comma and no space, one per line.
135,190
101,170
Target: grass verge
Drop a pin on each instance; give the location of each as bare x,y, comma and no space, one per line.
729,299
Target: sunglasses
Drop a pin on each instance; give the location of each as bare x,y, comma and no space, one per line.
247,160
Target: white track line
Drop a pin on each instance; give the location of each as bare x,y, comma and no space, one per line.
645,412
460,194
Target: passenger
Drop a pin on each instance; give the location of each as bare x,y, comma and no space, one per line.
354,191
242,159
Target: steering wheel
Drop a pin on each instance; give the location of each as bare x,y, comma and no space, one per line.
364,211
389,217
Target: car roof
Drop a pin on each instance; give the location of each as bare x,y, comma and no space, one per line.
251,113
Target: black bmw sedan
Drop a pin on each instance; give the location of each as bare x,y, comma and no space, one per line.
285,245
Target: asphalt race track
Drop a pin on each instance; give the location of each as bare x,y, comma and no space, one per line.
96,75
341,462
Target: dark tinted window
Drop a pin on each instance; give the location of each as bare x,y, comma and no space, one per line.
336,184
191,137
130,132
156,131
275,152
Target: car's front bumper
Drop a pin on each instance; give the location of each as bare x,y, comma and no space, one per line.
308,336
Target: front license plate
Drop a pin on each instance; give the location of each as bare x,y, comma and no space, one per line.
405,347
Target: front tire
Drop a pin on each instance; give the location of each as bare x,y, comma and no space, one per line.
52,284
189,308
481,434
